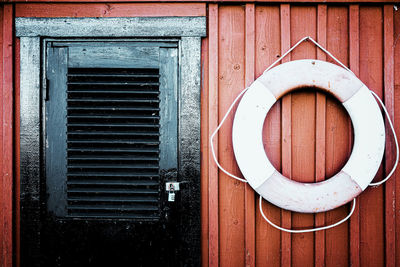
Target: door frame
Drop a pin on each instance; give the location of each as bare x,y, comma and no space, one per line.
32,31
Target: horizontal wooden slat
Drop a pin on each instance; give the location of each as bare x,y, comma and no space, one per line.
137,125
108,108
114,83
107,216
112,208
115,141
94,130
112,191
110,10
121,100
108,158
113,182
210,1
147,134
111,27
113,199
112,174
108,91
111,117
140,150
113,166
111,75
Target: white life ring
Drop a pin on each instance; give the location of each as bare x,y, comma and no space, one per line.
368,147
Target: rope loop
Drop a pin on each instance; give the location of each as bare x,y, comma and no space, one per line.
307,230
306,38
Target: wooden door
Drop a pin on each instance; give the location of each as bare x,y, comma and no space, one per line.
110,144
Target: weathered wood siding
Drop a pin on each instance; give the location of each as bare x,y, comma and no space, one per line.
307,135
6,135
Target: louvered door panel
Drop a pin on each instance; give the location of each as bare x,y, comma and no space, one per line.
113,143
111,129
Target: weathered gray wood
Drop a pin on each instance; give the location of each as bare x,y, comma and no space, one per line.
189,102
188,111
142,42
30,115
189,142
56,129
111,27
30,145
117,56
169,112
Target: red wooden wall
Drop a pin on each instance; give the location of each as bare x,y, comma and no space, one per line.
307,134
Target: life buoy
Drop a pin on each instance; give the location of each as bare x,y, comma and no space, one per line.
368,147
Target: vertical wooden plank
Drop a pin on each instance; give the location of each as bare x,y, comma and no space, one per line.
249,192
189,139
354,57
17,155
338,139
388,57
231,82
268,49
319,245
30,134
286,220
372,207
7,135
213,213
204,130
303,23
2,213
396,44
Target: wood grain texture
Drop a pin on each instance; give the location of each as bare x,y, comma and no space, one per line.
231,82
390,193
110,10
189,137
320,126
286,139
396,46
6,186
303,23
29,137
211,1
2,199
357,36
372,244
354,60
249,229
204,130
268,49
17,160
111,27
338,143
213,212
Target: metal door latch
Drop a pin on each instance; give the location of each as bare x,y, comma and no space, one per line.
171,187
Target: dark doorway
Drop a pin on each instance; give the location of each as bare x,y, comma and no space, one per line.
110,143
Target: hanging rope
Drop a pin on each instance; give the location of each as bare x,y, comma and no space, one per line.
216,131
243,180
395,141
306,230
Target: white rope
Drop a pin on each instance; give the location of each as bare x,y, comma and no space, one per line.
243,180
317,44
216,131
395,141
307,230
